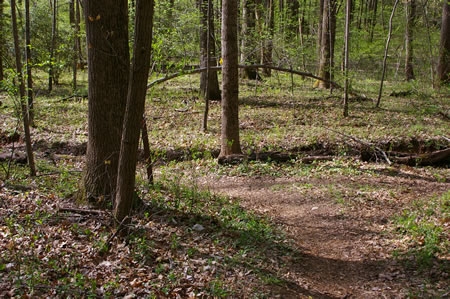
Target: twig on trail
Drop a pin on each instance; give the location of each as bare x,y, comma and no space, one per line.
80,211
365,143
73,96
182,110
446,139
111,238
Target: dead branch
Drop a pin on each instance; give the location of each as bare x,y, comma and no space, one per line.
365,143
254,66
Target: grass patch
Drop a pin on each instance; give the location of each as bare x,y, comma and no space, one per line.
424,226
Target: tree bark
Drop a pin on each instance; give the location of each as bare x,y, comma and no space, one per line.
410,9
137,90
52,49
443,69
230,143
22,95
108,71
327,44
214,90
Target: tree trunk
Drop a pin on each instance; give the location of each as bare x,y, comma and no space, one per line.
73,25
267,43
346,50
319,30
360,13
327,44
247,46
230,82
28,63
443,69
214,90
22,95
386,49
147,153
77,28
373,18
208,66
137,90
108,71
292,23
410,9
2,42
52,49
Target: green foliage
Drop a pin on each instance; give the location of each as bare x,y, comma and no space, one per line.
424,225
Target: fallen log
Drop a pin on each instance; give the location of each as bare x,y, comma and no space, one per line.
18,158
441,157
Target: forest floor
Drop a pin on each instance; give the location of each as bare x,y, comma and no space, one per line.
350,226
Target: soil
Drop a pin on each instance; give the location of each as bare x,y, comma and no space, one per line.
346,250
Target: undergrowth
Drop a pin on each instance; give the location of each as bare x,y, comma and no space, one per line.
425,224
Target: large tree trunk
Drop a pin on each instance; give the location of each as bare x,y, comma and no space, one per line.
444,50
108,70
410,9
52,49
327,44
214,90
28,63
230,82
137,89
23,102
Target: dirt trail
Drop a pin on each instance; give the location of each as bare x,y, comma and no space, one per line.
345,250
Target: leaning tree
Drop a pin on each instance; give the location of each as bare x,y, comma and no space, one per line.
137,90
